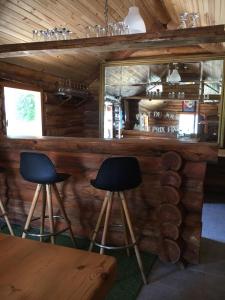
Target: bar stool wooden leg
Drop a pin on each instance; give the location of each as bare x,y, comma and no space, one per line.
31,211
43,211
64,214
127,215
99,221
124,228
108,211
50,212
6,217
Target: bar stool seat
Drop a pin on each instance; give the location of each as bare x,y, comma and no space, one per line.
3,213
38,168
59,177
117,174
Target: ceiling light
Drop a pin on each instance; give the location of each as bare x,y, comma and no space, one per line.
134,21
173,77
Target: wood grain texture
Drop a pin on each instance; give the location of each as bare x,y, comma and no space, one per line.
171,161
44,271
189,151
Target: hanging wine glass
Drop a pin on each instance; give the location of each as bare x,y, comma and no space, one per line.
193,17
183,20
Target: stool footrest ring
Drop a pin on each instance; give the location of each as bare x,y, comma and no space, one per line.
115,247
46,234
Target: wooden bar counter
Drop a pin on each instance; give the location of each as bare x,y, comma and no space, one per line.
166,209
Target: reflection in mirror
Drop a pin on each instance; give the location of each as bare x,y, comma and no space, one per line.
176,100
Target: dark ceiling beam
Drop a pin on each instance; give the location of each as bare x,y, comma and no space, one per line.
169,38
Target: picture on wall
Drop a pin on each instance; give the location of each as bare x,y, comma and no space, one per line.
189,106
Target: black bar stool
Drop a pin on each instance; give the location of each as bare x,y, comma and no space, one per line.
38,168
3,211
117,174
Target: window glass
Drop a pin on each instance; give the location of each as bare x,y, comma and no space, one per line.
23,112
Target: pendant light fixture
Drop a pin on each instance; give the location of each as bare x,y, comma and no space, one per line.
135,21
174,76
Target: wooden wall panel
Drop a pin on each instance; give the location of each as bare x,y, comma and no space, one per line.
70,118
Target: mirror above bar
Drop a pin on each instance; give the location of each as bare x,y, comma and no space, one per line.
174,99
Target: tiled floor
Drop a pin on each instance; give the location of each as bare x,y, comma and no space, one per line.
205,281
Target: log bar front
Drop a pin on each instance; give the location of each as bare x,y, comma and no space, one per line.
166,209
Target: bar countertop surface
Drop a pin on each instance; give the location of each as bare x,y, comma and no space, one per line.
133,146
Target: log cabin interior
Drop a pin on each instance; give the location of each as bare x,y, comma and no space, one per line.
122,96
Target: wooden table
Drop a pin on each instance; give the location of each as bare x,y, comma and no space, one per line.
34,271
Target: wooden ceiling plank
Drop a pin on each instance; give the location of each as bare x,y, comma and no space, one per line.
37,9
22,74
66,64
195,8
86,59
217,13
85,18
27,14
15,34
201,20
79,10
206,12
95,8
212,11
81,63
26,34
34,11
51,68
118,8
5,40
117,11
221,12
23,21
74,21
11,38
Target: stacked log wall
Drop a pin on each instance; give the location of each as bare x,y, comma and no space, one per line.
170,211
70,118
